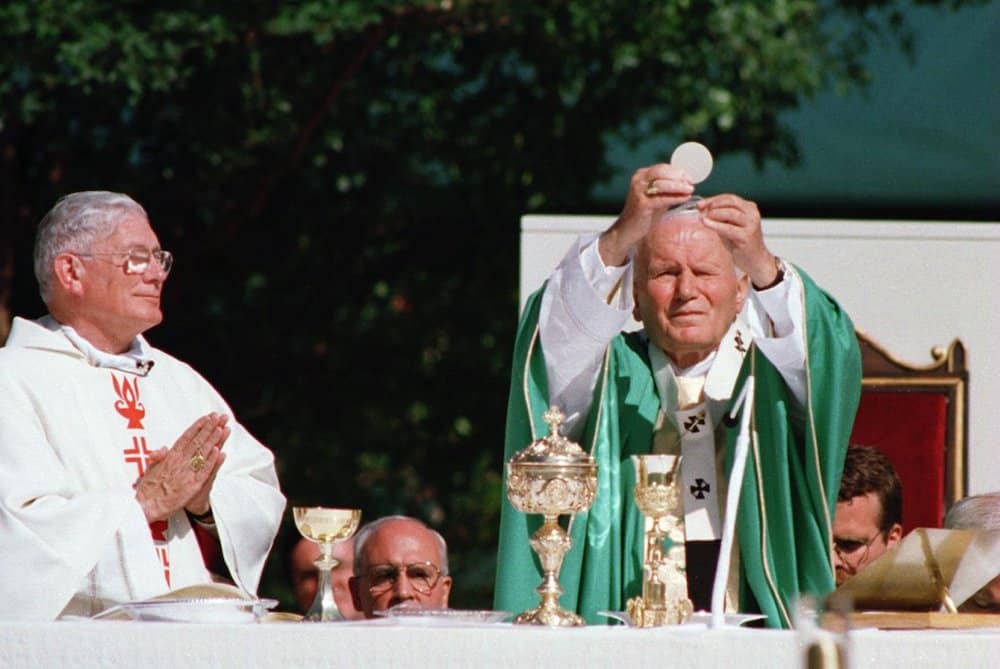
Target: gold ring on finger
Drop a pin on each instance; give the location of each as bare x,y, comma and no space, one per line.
197,462
651,189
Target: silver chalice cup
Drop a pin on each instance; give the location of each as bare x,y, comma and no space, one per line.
325,526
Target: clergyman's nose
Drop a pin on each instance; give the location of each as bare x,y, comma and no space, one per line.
403,588
685,285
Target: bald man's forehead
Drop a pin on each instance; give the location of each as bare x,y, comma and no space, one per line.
683,237
399,538
683,228
401,526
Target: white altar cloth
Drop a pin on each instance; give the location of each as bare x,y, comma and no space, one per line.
386,643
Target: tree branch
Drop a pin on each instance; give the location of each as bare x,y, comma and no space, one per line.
305,135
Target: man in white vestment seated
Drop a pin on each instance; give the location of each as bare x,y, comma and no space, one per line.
123,473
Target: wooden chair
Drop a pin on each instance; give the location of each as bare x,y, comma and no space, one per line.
917,415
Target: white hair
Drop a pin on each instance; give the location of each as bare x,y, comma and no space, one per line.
687,208
976,512
76,223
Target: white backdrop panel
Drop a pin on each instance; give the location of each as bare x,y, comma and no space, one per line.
911,285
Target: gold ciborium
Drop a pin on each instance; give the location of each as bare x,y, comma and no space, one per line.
553,476
664,599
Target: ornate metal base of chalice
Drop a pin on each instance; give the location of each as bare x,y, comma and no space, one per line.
553,476
551,543
664,599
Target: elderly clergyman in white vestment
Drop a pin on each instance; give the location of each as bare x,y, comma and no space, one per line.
123,474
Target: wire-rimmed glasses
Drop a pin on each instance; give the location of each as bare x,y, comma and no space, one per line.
137,258
854,552
422,576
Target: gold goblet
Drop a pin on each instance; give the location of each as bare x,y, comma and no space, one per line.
325,526
664,599
552,476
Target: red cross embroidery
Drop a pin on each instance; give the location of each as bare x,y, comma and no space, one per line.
138,455
164,556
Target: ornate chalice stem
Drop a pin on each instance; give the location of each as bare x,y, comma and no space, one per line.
324,606
551,543
654,591
664,598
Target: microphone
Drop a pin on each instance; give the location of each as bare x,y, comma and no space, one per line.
144,366
743,401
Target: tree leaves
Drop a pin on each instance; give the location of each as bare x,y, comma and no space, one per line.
341,183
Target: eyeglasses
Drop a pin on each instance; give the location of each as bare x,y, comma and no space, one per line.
423,576
857,550
137,259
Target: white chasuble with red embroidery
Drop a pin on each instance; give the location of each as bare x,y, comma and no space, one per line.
74,437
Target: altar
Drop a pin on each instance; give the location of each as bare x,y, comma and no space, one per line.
391,644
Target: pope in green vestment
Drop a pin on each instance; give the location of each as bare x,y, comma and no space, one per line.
788,493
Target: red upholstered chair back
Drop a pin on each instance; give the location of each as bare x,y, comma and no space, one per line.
917,416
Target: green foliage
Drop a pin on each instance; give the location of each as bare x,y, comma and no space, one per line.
342,183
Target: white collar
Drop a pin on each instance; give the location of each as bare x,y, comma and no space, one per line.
137,359
720,373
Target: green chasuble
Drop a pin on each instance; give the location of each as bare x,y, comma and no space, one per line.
789,489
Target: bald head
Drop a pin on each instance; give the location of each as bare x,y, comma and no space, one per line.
682,229
398,560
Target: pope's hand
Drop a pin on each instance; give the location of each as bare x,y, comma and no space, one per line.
651,190
738,223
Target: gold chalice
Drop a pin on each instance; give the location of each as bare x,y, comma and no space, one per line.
325,526
664,599
552,476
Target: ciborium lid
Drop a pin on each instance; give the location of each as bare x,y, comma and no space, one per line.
554,448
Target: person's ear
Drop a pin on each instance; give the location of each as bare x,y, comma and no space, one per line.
635,302
354,585
446,590
68,272
742,288
894,535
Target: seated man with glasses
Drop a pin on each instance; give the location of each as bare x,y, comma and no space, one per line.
869,514
125,475
399,561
